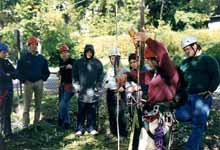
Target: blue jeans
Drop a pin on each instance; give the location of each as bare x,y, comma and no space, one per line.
196,110
86,111
64,101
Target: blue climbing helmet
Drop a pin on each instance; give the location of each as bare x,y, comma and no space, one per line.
3,47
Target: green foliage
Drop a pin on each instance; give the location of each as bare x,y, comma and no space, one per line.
56,22
47,135
51,26
214,50
202,6
188,19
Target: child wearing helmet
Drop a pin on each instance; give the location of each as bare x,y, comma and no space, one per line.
33,78
114,87
65,90
201,72
162,79
7,73
158,84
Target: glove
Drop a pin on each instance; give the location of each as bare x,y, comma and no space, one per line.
76,87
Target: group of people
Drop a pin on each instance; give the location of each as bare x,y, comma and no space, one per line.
159,80
32,69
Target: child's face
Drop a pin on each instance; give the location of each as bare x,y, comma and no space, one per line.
65,55
152,63
3,54
89,54
133,64
33,47
112,59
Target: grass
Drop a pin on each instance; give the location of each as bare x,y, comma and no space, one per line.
48,136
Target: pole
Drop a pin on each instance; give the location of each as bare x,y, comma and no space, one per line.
140,57
116,64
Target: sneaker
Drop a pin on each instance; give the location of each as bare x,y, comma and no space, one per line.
94,132
78,133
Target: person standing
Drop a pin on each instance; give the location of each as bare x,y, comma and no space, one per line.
201,72
88,73
133,64
65,89
7,73
113,88
32,70
158,84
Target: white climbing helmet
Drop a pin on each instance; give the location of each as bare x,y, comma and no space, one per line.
114,52
188,41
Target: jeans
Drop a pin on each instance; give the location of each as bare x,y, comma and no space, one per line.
112,111
196,111
64,100
86,111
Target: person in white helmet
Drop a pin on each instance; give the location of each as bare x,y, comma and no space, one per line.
201,72
113,88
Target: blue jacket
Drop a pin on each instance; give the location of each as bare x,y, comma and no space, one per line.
33,68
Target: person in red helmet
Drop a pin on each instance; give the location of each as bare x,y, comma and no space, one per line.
33,78
32,40
158,84
65,89
162,79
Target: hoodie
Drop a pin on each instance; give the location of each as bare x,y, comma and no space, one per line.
89,74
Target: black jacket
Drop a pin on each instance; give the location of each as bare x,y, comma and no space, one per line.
89,74
66,74
7,73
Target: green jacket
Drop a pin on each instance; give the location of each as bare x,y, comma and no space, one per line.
201,73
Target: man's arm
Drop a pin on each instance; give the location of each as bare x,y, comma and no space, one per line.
20,70
100,75
214,73
75,72
46,72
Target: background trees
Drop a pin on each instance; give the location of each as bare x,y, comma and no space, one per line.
73,21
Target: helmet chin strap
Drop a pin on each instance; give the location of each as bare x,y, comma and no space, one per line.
195,50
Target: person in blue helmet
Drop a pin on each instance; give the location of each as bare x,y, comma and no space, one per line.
201,72
7,73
